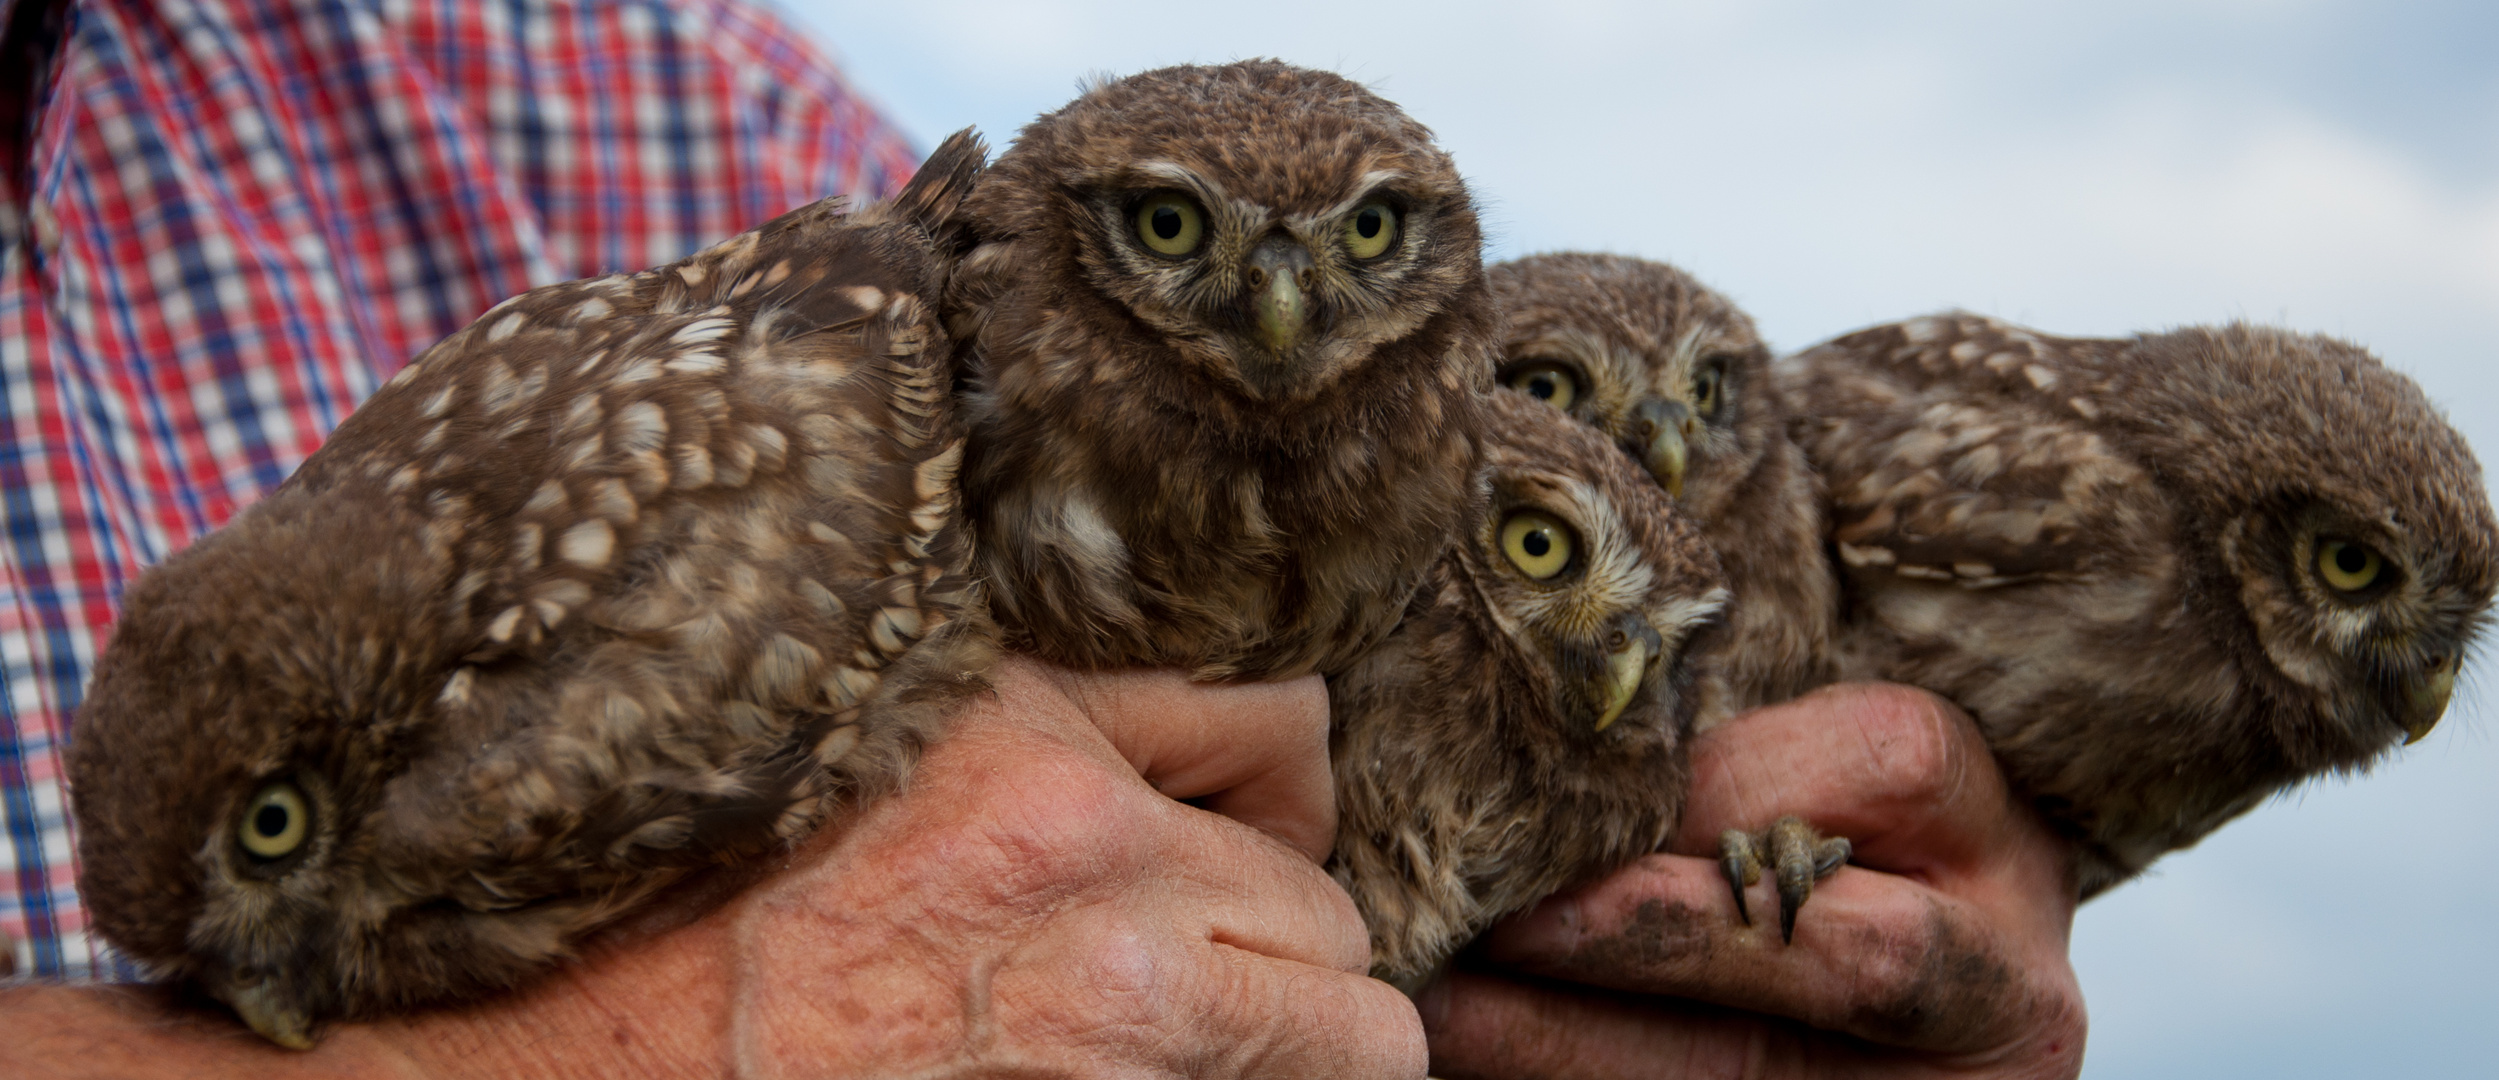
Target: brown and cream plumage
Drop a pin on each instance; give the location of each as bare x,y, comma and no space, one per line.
1524,728
2169,574
1226,341
632,575
1675,374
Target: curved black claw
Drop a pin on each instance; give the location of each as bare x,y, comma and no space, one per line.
1802,857
1739,859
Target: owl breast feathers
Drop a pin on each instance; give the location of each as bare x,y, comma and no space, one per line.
1524,728
632,575
2169,574
1227,341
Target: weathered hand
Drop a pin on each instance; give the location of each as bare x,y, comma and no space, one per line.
1941,952
1032,903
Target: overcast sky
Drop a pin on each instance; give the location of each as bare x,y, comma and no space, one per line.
2086,168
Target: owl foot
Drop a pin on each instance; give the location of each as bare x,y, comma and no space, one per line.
1798,855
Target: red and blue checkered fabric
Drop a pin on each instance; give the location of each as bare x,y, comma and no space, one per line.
225,222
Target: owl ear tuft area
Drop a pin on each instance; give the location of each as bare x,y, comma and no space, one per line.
933,195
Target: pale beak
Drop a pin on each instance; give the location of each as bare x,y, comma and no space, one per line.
2426,699
280,1023
1660,436
1279,274
1630,648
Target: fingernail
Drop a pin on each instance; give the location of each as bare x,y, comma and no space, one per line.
1433,1004
1550,929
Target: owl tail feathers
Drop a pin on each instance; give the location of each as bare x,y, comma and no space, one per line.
934,194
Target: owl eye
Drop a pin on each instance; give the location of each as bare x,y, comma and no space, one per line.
1548,382
1371,230
1705,386
2347,567
275,822
1537,544
1170,224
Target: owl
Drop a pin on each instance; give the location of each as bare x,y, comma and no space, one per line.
1224,342
2170,575
1524,727
1675,375
632,576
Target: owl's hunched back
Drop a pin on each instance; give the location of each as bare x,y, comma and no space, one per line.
632,575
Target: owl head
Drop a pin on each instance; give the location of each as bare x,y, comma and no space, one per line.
1591,581
2349,518
1245,239
1671,371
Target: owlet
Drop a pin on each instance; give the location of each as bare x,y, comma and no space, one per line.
1524,728
1226,341
631,576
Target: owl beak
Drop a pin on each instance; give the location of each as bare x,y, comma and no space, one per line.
276,1020
1280,273
1661,434
2426,699
1632,646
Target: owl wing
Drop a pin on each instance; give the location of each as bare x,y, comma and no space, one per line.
1959,449
703,515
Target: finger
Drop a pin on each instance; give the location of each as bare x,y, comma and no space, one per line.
1881,957
1054,808
1274,1018
1254,752
1136,972
1248,890
1486,1026
1901,773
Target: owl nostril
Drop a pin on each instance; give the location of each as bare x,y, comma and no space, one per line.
1258,278
1616,641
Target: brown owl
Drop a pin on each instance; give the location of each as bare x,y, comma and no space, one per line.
2169,574
1524,728
1225,341
631,576
1675,374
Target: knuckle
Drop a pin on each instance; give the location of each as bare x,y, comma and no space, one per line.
1039,842
1925,745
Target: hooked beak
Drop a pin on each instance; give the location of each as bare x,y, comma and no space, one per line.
1660,436
1632,646
276,1020
2425,699
1280,279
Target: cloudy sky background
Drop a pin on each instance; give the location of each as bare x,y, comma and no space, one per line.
2086,168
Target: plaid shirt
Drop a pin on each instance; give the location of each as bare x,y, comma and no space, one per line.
223,223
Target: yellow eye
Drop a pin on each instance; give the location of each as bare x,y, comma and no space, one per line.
1537,544
1169,223
1550,383
1372,229
1705,389
2348,567
275,822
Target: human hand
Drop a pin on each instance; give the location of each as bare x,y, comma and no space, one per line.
1940,952
1035,902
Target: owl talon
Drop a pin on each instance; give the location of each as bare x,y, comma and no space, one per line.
1739,859
1798,855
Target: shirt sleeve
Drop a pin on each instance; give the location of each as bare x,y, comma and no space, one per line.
226,222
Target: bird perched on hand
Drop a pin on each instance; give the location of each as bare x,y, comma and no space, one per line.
1675,374
1226,343
2169,574
631,576
1524,728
